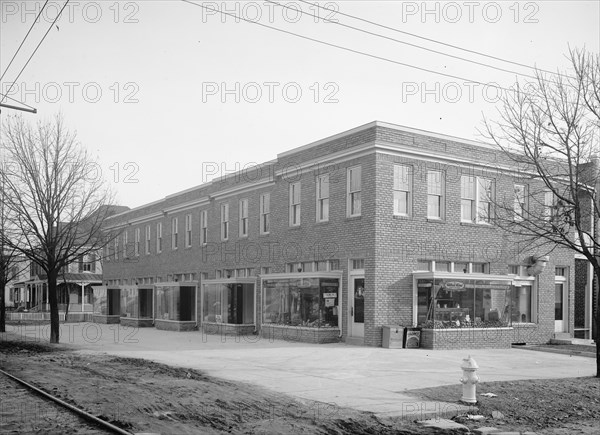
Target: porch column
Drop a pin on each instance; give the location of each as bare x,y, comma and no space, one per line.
82,296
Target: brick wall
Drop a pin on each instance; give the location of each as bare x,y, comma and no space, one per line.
389,244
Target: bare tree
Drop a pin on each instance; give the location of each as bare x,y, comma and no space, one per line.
55,200
8,257
549,129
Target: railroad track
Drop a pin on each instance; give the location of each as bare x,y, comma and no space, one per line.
24,408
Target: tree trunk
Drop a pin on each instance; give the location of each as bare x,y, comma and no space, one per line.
53,299
3,308
596,318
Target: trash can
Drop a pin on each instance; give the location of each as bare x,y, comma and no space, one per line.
393,336
412,338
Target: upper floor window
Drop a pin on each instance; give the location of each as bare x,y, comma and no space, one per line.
137,242
519,205
243,217
148,235
87,263
224,221
322,198
357,264
265,211
116,252
476,195
402,189
174,232
204,227
159,237
295,204
435,194
125,241
353,201
188,231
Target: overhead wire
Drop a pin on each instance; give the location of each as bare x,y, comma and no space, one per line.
36,49
457,47
17,101
23,41
402,42
330,44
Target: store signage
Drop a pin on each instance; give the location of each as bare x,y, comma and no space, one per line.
330,295
454,285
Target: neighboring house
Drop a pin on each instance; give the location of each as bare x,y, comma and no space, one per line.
379,225
74,286
18,272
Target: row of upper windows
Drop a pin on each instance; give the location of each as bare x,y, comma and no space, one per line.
121,245
477,195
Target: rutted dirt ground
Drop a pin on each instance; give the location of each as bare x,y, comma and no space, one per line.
143,396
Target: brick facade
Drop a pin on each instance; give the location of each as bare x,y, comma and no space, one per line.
390,245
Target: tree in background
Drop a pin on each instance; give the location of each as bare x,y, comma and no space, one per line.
550,130
55,200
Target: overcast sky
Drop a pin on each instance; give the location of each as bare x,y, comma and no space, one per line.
164,92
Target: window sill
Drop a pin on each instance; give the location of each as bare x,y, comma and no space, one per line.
401,216
477,224
294,227
353,218
321,222
436,220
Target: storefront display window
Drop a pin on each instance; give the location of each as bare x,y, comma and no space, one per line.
228,303
175,302
309,302
460,303
136,302
106,301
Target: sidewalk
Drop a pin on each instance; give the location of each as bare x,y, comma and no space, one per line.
364,378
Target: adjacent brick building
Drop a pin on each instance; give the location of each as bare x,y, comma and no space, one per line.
379,225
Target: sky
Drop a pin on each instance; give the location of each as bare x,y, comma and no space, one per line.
168,95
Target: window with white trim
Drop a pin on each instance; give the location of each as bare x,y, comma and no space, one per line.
243,217
354,187
519,204
174,233
137,242
476,195
322,185
125,241
402,189
148,235
295,190
435,194
204,227
225,221
159,237
116,253
265,211
188,231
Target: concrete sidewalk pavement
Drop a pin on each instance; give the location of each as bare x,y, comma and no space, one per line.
364,378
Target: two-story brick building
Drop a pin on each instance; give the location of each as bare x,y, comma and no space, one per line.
379,225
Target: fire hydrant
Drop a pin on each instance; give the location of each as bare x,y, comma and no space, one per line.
469,380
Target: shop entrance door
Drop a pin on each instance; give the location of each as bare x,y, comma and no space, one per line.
560,307
357,306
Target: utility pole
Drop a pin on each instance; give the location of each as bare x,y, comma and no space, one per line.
8,106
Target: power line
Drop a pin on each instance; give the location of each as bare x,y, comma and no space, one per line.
23,41
402,42
36,49
385,59
430,39
17,101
